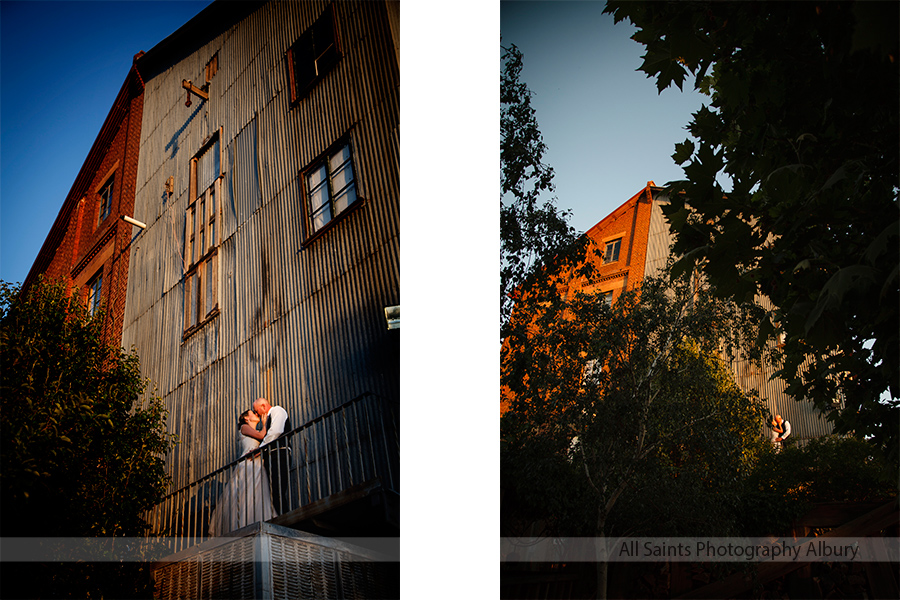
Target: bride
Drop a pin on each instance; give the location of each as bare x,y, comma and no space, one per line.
246,498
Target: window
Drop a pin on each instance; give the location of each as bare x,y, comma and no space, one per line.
106,194
612,251
607,298
329,186
313,55
201,238
95,287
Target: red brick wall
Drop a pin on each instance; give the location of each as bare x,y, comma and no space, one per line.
631,224
89,247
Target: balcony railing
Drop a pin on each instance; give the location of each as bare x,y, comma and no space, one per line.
353,446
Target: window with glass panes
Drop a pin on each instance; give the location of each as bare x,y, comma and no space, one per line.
612,251
105,200
201,237
95,287
313,55
330,185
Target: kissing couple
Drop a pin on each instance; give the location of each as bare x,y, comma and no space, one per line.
258,480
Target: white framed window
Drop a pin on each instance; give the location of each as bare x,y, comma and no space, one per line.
329,187
202,237
612,251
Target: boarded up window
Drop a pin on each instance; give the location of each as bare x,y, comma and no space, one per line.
201,238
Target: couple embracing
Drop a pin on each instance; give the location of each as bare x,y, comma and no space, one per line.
257,481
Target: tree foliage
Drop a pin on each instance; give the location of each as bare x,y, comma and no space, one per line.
82,453
532,230
803,120
785,485
654,438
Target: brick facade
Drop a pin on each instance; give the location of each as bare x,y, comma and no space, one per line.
630,226
81,246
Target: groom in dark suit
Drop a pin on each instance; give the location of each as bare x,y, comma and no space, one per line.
275,452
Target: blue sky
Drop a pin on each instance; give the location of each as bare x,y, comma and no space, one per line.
61,66
62,63
607,129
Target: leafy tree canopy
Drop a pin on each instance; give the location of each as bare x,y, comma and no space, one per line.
532,230
81,453
622,419
803,120
633,397
785,485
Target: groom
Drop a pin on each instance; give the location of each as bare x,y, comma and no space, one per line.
275,451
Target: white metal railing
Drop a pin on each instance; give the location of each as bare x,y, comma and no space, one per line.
354,443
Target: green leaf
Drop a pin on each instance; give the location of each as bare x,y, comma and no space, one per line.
803,264
683,152
832,294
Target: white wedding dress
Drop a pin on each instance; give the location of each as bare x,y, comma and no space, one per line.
246,498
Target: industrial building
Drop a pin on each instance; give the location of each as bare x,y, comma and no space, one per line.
632,243
255,153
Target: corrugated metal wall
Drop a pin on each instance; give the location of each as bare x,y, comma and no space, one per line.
806,422
304,327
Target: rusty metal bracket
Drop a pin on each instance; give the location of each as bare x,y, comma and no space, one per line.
193,89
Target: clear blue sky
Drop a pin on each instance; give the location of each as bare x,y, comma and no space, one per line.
607,129
61,66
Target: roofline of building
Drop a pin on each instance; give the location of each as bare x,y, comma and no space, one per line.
647,189
190,37
186,39
132,87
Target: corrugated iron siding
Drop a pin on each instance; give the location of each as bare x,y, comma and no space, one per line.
306,326
806,422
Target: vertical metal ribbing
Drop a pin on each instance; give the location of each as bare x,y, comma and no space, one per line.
323,453
321,319
347,445
806,421
337,463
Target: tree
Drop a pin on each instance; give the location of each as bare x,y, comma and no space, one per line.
82,454
784,485
532,230
803,120
654,437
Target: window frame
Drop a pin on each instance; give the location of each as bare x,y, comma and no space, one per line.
201,243
607,246
104,204
309,233
297,94
95,293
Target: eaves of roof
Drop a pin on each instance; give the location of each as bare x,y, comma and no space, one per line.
190,37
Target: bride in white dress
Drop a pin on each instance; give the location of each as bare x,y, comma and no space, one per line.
246,498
